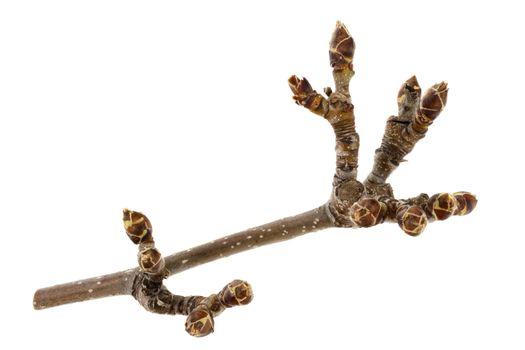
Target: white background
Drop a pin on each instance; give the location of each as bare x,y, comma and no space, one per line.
182,110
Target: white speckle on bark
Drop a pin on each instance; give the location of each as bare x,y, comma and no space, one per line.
79,282
261,236
90,290
184,261
283,225
269,230
313,226
238,243
125,279
303,231
304,227
225,242
225,238
98,282
249,237
232,246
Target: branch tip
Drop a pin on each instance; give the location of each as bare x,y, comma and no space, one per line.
200,322
412,219
412,83
137,226
342,47
442,205
466,203
367,212
434,101
236,293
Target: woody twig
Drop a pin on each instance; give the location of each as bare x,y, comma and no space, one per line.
150,292
351,203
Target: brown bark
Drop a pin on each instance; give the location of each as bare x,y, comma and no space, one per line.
403,131
121,283
351,204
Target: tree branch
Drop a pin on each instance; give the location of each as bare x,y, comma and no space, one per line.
351,204
121,283
403,131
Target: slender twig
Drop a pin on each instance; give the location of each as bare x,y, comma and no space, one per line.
121,283
351,204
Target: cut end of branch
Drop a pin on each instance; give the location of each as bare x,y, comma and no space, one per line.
342,47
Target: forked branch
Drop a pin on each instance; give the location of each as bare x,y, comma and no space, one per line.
351,203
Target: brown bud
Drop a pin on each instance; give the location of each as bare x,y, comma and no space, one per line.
199,322
151,261
137,226
466,202
342,48
367,212
305,96
408,96
442,205
412,220
299,86
236,293
433,103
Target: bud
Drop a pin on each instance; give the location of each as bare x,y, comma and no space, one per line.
432,103
137,226
442,205
342,48
199,322
306,96
466,202
299,86
412,220
408,95
236,293
151,261
367,212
